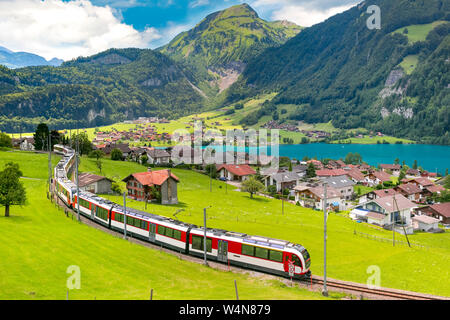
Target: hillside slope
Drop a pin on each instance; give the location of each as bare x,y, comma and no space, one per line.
225,41
111,86
339,70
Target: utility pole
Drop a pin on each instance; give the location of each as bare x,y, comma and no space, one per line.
78,182
210,179
125,215
204,235
325,290
282,200
49,165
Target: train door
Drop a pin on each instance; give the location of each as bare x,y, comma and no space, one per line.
152,232
222,251
286,259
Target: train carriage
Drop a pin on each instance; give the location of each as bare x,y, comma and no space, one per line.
253,252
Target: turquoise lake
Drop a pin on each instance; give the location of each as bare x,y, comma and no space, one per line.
430,157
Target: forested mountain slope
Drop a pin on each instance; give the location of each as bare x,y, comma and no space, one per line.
390,80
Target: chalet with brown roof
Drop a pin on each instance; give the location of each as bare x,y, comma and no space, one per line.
330,172
410,191
232,172
140,186
312,196
421,182
387,210
355,175
377,177
440,211
393,168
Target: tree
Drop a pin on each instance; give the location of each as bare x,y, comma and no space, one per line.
96,154
310,170
12,191
290,166
55,137
447,182
41,137
116,154
84,143
115,187
211,170
401,176
5,140
99,165
415,165
144,160
252,185
396,161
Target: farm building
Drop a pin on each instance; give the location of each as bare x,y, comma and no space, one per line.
425,223
94,183
140,186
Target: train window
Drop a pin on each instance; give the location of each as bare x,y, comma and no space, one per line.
276,255
169,232
296,260
118,217
197,242
84,203
144,225
177,234
101,213
261,253
248,250
161,230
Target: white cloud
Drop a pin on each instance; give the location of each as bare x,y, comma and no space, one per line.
304,12
53,28
198,3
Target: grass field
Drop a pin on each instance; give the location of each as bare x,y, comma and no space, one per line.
349,256
418,32
39,243
368,140
409,63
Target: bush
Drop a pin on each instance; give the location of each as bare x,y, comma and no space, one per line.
239,106
116,188
272,190
116,155
230,111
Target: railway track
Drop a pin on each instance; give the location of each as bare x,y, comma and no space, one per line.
343,286
383,293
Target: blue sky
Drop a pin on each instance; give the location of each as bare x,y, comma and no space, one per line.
71,28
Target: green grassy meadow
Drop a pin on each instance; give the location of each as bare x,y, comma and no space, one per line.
418,32
39,243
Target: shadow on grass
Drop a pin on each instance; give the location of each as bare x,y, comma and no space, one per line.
257,199
15,218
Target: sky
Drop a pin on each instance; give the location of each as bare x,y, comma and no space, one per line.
67,29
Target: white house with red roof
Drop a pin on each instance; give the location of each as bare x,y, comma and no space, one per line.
235,172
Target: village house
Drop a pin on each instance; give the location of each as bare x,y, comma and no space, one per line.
425,223
377,177
412,173
421,182
440,211
312,196
387,210
139,185
391,168
355,175
158,156
376,194
410,191
94,184
342,184
284,179
330,172
27,144
234,172
317,164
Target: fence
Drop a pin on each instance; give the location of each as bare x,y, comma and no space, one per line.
382,239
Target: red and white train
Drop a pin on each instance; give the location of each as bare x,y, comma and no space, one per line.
252,252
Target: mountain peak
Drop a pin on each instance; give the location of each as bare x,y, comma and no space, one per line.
240,10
